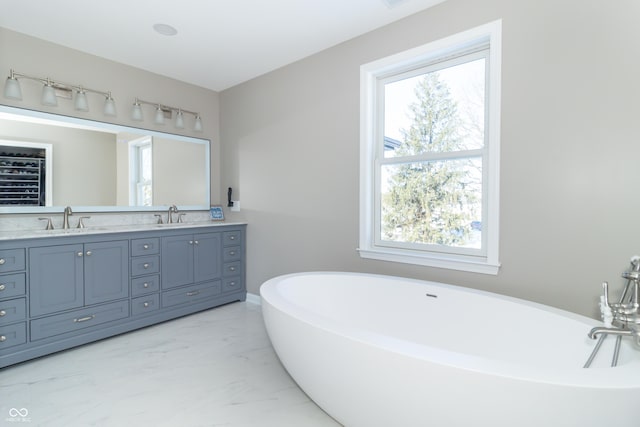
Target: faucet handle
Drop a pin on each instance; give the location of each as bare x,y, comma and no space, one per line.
159,218
49,223
180,215
605,308
80,223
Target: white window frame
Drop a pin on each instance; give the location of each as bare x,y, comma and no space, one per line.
486,261
136,182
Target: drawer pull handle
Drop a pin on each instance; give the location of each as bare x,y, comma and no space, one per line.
145,285
192,293
3,313
89,253
3,338
2,287
84,319
2,261
146,265
145,246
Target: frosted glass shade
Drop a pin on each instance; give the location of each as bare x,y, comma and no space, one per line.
12,89
136,112
180,120
159,119
198,125
49,96
109,106
81,103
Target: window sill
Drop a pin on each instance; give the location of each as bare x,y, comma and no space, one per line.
451,262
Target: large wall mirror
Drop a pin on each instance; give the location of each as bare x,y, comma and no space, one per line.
49,161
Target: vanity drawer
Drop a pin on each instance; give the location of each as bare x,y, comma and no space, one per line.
231,238
11,260
145,304
145,285
12,285
78,319
149,246
191,294
231,253
13,310
11,335
231,284
231,269
145,265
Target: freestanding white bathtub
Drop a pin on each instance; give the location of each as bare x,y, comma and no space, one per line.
386,351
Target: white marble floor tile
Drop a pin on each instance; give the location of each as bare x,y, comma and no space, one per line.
215,368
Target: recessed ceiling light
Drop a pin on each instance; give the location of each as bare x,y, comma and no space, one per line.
165,30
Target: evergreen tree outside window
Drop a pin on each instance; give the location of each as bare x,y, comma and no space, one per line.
430,154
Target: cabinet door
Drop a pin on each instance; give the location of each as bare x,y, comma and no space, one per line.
177,261
106,271
207,254
55,278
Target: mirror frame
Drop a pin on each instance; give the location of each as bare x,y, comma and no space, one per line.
76,122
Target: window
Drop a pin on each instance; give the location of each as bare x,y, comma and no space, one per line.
430,135
141,172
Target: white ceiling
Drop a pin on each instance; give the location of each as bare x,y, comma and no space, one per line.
220,43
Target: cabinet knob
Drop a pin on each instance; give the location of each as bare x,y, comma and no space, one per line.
2,287
145,246
232,283
232,237
80,254
3,313
191,242
2,261
196,242
145,285
145,305
232,253
2,338
232,269
146,265
89,253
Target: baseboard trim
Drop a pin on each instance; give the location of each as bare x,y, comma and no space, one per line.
254,299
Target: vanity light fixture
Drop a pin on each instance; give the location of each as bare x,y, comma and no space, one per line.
51,90
163,112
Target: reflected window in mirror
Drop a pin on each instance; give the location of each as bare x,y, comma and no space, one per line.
141,172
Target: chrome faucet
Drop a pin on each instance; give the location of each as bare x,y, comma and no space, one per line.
622,318
172,209
65,218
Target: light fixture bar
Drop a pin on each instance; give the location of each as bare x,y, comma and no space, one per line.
53,89
162,111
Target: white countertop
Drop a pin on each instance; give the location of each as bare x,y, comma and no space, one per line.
89,230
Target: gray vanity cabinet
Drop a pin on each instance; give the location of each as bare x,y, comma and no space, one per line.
191,258
73,288
71,276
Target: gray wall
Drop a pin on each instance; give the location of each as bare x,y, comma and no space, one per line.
570,150
39,58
